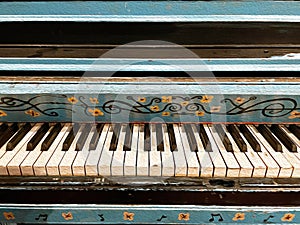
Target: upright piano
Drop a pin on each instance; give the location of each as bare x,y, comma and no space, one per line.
149,112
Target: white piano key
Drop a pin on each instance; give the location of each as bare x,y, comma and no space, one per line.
91,164
81,157
193,166
142,164
27,165
106,155
206,165
220,168
233,167
286,168
39,166
179,157
65,165
154,155
13,166
292,136
168,166
117,163
131,156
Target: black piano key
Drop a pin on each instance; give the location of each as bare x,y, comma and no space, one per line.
267,134
68,141
204,138
18,137
159,137
3,128
37,137
96,136
172,139
283,137
237,137
226,142
116,128
82,139
250,138
11,130
295,130
51,137
147,140
128,138
191,138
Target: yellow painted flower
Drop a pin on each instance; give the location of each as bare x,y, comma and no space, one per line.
294,114
73,100
32,113
166,99
96,112
214,109
67,216
184,216
155,108
185,103
165,113
238,216
239,100
128,216
206,98
9,215
94,100
199,113
288,217
142,99
2,113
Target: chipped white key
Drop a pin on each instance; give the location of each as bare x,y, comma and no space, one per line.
142,164
154,155
117,163
179,157
131,156
168,167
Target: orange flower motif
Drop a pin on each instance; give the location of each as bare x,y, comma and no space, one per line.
288,217
2,113
165,113
294,114
199,113
94,100
166,99
214,109
238,216
185,103
206,98
128,216
155,108
9,215
184,216
32,113
67,216
142,99
96,112
239,100
73,100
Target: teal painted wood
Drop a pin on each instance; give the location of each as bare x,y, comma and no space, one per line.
277,102
151,214
152,11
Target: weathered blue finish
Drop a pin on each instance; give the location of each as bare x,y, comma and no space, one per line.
150,214
152,11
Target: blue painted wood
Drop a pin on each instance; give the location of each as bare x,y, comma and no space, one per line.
152,11
151,214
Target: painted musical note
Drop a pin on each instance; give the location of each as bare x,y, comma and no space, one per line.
43,217
217,215
267,220
101,217
161,218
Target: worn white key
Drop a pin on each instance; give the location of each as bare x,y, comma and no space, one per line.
154,155
220,168
179,157
13,166
142,164
39,166
193,166
91,164
117,163
233,167
206,165
168,167
81,157
286,168
65,166
131,156
27,165
106,155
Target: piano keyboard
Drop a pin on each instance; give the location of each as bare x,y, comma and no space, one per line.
193,150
